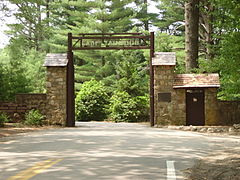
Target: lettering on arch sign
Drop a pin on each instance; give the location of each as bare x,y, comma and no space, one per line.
95,41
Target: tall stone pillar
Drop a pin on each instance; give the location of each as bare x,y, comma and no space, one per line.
163,67
56,65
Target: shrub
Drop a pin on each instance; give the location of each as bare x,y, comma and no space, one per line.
143,106
34,118
124,108
3,119
92,101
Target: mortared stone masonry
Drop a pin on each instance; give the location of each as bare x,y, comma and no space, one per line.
170,89
56,86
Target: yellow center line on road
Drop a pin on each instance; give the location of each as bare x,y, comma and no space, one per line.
34,170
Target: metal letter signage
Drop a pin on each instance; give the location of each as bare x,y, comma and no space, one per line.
96,41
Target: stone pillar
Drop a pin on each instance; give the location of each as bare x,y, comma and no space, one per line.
163,68
56,88
211,107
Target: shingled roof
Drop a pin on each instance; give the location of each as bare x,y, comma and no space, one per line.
196,80
164,58
59,59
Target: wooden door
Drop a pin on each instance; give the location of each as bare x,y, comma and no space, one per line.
195,107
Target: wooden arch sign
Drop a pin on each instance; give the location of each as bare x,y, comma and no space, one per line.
105,41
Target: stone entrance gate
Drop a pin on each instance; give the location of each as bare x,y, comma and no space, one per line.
60,70
172,94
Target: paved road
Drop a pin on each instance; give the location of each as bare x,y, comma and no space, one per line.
99,151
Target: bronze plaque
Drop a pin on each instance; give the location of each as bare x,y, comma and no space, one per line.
164,97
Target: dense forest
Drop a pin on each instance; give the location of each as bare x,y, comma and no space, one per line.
205,34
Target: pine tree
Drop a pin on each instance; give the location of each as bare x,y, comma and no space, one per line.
131,71
144,18
121,15
171,18
30,25
91,17
191,33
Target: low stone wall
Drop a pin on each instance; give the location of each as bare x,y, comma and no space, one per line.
229,112
24,102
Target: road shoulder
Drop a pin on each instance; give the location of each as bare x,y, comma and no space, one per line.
222,165
11,129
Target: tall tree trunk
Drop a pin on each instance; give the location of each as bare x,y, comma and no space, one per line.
146,22
206,29
48,12
191,33
48,21
38,30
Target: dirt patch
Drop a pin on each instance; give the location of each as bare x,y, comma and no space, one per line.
10,129
218,166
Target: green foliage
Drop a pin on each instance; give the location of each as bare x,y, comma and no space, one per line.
82,16
171,43
13,78
143,107
35,72
227,64
21,72
3,80
92,101
172,16
131,72
3,119
144,18
163,42
32,25
34,118
124,108
226,61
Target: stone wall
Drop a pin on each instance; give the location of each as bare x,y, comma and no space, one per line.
211,107
33,101
23,103
229,112
56,95
220,112
179,107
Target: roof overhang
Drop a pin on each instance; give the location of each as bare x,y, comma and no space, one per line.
164,59
196,81
56,60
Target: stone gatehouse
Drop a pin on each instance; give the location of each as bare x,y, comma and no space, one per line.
188,99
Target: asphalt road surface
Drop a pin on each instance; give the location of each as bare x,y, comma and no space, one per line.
111,151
